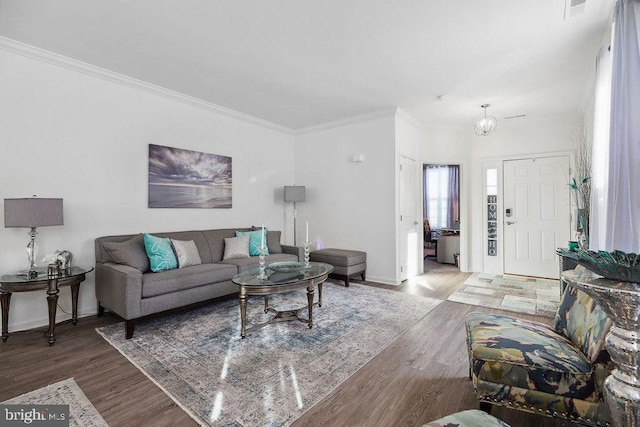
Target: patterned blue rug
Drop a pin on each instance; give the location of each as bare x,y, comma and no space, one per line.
276,373
82,413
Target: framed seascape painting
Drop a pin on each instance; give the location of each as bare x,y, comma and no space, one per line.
188,179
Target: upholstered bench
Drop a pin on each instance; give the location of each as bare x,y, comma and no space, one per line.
346,263
470,418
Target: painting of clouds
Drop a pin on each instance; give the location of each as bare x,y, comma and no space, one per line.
188,179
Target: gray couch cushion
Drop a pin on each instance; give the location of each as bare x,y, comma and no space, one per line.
215,241
130,252
186,252
273,242
165,282
236,247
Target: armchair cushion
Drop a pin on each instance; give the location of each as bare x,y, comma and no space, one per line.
581,320
531,355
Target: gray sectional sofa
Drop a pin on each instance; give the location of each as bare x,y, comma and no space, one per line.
126,286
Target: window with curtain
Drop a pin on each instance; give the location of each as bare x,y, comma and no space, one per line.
442,195
615,207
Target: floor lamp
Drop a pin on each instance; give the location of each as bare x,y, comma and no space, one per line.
294,193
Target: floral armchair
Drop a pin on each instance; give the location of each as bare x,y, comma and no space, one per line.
556,371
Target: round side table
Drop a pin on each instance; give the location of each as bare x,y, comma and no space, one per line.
51,280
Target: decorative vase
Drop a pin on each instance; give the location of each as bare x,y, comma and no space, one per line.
583,241
262,274
306,254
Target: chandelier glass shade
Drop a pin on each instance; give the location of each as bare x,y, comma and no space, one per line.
486,124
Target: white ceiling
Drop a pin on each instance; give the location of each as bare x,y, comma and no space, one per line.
299,63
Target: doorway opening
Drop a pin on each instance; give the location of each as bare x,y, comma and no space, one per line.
441,212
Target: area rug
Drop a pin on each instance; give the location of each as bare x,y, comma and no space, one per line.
81,412
519,294
276,373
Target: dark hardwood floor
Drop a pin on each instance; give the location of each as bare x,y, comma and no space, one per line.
421,376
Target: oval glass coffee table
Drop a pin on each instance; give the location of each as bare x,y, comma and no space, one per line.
278,282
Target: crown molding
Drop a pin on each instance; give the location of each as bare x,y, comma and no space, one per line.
348,121
62,61
404,114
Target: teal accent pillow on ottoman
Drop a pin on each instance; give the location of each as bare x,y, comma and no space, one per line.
160,253
255,240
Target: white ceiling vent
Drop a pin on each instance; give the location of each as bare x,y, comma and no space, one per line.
573,8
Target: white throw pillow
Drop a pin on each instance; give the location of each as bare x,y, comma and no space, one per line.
236,247
186,252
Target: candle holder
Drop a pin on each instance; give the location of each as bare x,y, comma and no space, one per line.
262,274
306,254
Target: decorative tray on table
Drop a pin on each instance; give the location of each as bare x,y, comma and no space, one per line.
616,265
286,266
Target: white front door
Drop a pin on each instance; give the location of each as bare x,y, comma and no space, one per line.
408,221
536,214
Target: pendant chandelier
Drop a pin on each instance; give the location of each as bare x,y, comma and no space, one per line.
485,125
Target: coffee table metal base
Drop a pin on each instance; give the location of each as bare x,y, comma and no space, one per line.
279,316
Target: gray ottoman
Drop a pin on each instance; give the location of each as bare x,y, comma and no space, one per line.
346,263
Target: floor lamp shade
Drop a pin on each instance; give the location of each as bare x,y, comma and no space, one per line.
294,193
33,212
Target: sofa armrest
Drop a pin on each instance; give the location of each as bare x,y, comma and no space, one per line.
294,250
119,288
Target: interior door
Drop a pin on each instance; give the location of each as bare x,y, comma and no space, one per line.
408,220
536,214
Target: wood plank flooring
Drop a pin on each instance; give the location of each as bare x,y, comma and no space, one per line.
421,376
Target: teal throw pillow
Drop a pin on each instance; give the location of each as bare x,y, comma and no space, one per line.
255,240
160,253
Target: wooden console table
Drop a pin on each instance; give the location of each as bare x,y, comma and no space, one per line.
50,280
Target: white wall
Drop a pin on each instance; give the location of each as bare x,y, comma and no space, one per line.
68,134
351,205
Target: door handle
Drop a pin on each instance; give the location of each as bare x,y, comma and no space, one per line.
415,222
511,222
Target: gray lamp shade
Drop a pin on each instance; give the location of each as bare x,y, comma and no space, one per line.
294,193
32,212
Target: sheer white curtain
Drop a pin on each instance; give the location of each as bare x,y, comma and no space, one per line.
622,199
600,163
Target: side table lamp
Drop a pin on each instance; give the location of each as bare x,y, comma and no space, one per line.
31,213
